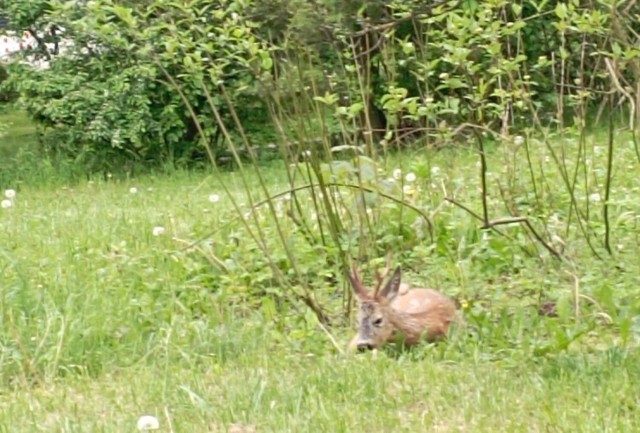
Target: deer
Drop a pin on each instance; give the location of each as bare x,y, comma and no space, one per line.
397,312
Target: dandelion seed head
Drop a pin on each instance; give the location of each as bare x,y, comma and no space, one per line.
6,203
518,140
133,190
408,190
435,170
397,174
148,422
9,193
158,230
595,197
410,177
214,198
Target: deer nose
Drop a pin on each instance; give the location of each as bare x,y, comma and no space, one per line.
364,346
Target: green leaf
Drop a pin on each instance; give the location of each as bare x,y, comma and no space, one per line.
267,62
561,11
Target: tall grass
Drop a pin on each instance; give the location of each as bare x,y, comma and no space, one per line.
103,321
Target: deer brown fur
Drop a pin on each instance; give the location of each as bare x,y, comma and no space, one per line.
398,312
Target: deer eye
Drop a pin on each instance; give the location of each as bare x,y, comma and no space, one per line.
377,322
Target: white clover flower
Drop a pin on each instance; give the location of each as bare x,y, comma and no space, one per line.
6,203
435,170
595,197
518,140
214,198
397,174
410,177
133,190
158,230
9,193
148,422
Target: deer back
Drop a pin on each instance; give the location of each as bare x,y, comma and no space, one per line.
422,313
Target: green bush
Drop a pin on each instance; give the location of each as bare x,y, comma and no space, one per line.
5,95
163,81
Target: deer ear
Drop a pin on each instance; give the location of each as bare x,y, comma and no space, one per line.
390,289
356,282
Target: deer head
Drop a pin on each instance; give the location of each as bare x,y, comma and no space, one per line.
375,315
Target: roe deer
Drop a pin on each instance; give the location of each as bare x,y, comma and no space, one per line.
399,312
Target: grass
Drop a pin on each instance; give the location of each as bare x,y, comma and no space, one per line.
22,132
276,392
103,322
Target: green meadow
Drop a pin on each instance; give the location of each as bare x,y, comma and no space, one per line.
125,296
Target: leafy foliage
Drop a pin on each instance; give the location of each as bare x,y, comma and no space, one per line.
398,69
107,93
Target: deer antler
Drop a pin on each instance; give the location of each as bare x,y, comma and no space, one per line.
356,282
380,276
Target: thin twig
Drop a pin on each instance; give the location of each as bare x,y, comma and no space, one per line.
483,177
526,222
607,186
616,83
465,208
331,337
